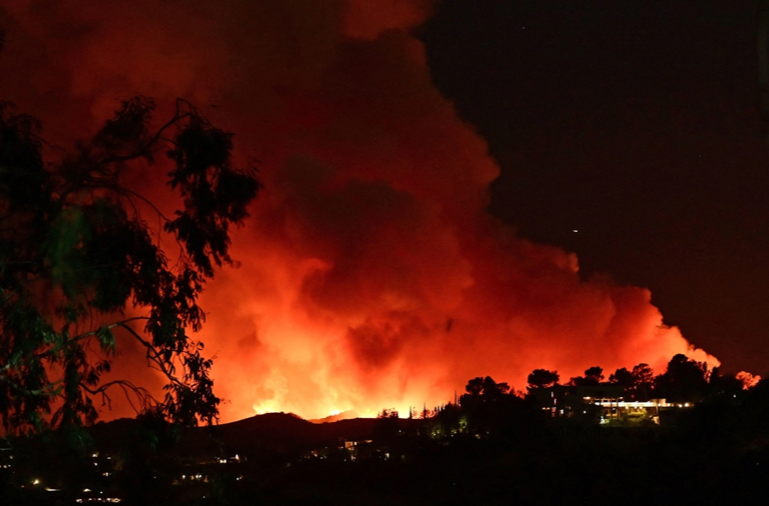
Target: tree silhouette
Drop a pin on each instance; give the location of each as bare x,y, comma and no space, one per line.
643,382
638,383
486,389
482,391
76,252
685,380
724,384
539,379
489,406
622,377
593,376
542,378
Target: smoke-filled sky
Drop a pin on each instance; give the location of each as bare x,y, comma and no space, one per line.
413,172
637,124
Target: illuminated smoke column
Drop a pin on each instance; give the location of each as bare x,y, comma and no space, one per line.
371,274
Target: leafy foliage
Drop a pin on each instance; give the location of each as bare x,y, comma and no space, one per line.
485,389
75,253
593,376
542,378
684,380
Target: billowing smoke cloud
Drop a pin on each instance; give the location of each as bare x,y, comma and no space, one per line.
371,275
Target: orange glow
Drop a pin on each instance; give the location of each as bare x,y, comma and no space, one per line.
372,276
748,380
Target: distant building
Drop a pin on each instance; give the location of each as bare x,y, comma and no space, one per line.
600,403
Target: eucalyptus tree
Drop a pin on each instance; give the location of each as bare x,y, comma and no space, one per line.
80,263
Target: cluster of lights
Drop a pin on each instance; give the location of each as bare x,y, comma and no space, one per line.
194,477
236,458
97,499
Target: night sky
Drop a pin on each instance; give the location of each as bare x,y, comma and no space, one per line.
627,132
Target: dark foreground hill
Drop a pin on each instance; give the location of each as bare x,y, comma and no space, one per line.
715,453
278,433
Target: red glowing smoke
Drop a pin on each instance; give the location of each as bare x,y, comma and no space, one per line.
371,274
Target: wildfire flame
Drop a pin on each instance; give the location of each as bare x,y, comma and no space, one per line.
372,276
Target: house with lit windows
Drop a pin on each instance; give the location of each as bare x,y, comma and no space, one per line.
601,403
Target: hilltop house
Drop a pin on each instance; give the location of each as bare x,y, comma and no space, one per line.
602,403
